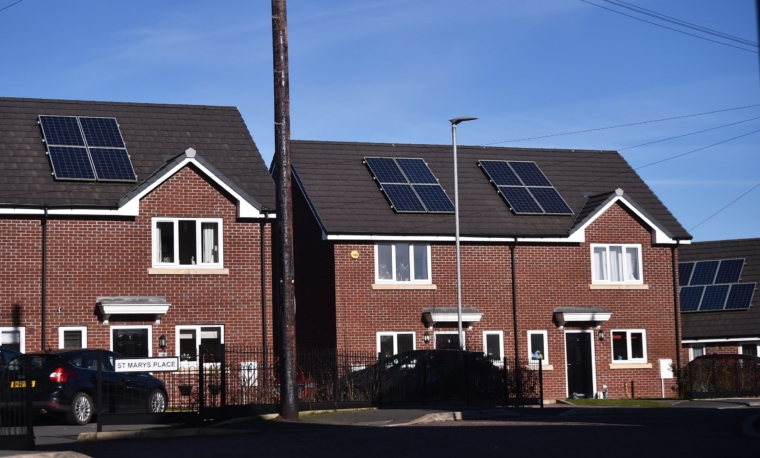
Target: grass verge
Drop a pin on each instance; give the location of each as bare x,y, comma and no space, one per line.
617,402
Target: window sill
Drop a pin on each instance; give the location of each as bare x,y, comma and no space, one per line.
618,286
188,271
402,286
631,366
547,367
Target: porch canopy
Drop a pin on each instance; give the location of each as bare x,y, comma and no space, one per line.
580,316
132,305
441,315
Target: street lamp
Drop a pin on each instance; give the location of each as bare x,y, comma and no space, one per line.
454,123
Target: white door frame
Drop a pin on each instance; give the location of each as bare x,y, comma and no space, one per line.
593,359
134,326
464,340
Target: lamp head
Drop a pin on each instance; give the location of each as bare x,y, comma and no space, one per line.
456,121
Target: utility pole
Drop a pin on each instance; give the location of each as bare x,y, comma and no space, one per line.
285,300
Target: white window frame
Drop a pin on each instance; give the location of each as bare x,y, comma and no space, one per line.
134,326
691,350
501,344
197,328
741,345
198,243
82,329
594,267
395,339
21,335
411,280
630,348
545,335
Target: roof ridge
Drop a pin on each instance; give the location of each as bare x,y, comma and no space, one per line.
101,102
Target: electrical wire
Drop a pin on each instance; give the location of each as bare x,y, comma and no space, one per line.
732,202
5,8
670,28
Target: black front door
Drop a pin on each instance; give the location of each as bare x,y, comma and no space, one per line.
579,365
447,341
131,343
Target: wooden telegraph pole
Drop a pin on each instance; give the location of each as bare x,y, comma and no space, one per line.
285,297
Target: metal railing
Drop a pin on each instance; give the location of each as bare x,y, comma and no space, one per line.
16,429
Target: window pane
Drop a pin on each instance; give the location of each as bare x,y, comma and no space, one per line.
537,346
420,262
402,262
72,339
11,339
165,250
749,349
632,264
493,349
405,342
386,345
385,262
600,263
187,345
187,240
698,351
637,345
619,346
210,242
616,263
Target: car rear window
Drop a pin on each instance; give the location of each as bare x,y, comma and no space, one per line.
44,362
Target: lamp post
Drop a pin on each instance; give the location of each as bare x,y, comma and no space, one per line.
454,123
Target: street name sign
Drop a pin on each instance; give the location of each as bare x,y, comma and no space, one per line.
170,364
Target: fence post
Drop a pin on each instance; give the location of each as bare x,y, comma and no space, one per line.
506,383
100,391
425,395
691,377
541,383
336,394
380,378
28,402
467,378
633,391
201,385
223,364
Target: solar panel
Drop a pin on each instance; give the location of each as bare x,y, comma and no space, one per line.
103,132
416,171
551,201
729,271
690,298
529,173
714,298
385,170
403,198
684,272
71,163
112,164
61,130
500,173
434,198
521,201
740,296
704,273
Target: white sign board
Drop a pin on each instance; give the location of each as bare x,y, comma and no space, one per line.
147,364
666,368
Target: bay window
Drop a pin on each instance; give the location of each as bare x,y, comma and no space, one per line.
616,264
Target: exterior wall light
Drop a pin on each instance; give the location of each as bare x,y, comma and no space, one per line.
162,342
427,337
601,334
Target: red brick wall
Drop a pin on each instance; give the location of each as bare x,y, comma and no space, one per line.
88,258
548,276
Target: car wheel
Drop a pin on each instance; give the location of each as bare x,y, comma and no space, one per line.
81,410
157,402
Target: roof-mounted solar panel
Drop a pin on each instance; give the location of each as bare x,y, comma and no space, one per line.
112,164
61,131
71,163
409,185
714,298
102,132
730,271
525,188
704,273
740,296
691,296
684,272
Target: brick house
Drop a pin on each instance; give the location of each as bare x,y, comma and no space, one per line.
723,313
590,276
107,249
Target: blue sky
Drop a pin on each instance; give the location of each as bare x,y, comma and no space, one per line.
397,70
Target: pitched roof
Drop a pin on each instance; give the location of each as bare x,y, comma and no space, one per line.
153,133
739,323
347,200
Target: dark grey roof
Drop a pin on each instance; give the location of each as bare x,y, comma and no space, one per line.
152,132
739,323
348,201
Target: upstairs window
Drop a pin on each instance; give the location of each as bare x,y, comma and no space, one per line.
616,264
402,263
187,242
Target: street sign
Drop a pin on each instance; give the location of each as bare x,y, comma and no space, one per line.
170,364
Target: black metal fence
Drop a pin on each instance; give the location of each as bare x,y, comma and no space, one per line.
16,430
731,376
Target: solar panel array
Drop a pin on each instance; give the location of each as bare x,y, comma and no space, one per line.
525,188
83,148
409,185
713,285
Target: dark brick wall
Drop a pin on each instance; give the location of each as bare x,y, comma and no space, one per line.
95,257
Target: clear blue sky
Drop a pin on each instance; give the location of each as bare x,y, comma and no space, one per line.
397,70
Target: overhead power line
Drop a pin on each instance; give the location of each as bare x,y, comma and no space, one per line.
732,202
6,7
671,28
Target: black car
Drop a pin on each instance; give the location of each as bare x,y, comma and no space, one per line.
6,355
65,383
